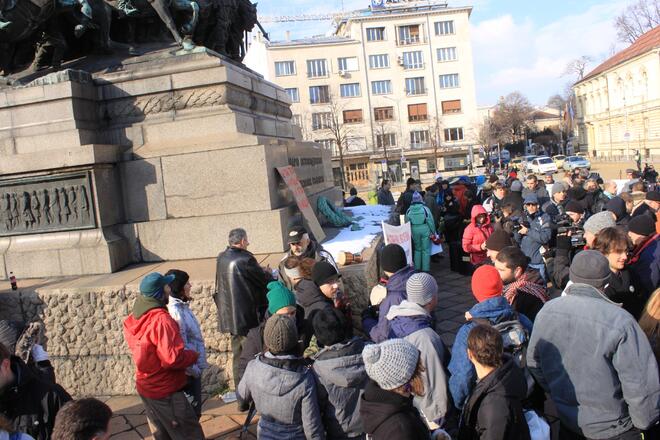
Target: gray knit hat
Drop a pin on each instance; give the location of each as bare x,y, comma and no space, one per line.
421,288
280,334
558,187
516,186
392,363
599,221
590,267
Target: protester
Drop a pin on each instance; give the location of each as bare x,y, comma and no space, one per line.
605,384
302,246
574,211
523,287
241,292
322,291
281,386
650,175
633,177
650,205
492,306
353,199
83,419
610,190
385,196
191,334
614,244
340,375
497,241
386,408
394,264
555,207
494,409
281,301
476,234
27,400
535,232
515,195
618,206
533,186
598,196
644,262
650,322
495,201
412,320
161,361
549,179
26,342
7,431
422,227
405,199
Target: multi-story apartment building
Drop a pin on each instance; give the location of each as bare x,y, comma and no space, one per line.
618,103
394,86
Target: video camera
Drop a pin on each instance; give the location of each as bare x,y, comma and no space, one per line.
565,226
518,223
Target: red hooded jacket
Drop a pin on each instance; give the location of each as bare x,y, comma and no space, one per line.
158,353
475,235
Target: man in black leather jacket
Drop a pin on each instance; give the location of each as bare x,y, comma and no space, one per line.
240,292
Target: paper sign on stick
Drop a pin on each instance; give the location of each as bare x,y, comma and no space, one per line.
288,173
400,235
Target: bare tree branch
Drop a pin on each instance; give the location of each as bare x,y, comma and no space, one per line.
577,67
637,19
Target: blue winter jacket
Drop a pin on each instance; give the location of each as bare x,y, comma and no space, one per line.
462,375
396,292
539,234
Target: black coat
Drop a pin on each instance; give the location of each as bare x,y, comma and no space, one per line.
387,415
494,409
241,291
31,403
310,297
620,290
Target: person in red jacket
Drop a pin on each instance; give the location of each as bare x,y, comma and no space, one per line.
476,234
160,362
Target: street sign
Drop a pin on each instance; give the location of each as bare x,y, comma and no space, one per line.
626,136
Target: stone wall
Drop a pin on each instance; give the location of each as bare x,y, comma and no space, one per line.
84,328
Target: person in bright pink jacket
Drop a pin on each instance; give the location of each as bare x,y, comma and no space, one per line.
476,234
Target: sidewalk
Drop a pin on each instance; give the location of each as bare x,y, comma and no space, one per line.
223,421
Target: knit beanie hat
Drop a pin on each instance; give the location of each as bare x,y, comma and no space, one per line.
498,240
516,186
486,283
421,288
393,258
180,280
279,297
152,285
599,221
323,272
642,225
573,206
392,363
417,197
280,334
329,326
590,267
558,187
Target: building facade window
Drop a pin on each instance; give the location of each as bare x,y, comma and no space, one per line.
296,120
386,140
376,34
356,144
415,86
330,144
347,64
444,27
285,68
379,61
446,54
381,87
417,112
384,113
349,90
453,134
294,96
449,81
408,34
449,107
317,68
419,139
319,95
352,116
321,120
413,60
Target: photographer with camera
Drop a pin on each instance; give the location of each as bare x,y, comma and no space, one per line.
566,251
505,218
532,232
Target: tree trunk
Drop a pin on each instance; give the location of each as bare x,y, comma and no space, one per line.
341,167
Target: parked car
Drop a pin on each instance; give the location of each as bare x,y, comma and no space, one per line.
585,155
527,160
573,162
559,160
516,163
542,165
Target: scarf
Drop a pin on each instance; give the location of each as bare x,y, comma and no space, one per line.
524,285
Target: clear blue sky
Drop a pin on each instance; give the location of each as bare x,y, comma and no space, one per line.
517,44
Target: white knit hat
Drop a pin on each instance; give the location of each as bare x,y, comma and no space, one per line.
392,363
421,288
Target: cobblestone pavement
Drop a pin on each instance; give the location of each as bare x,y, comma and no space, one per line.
224,421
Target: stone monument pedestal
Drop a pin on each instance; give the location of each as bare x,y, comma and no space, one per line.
147,159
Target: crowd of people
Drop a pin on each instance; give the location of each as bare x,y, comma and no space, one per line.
565,328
